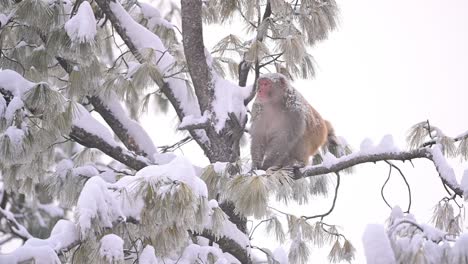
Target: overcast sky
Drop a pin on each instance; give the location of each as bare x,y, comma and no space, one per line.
390,65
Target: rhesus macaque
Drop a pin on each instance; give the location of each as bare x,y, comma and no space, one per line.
285,129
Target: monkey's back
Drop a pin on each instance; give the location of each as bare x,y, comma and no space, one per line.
315,135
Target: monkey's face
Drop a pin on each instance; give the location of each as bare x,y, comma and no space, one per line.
270,90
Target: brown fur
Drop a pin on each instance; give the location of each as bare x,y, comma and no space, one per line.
286,130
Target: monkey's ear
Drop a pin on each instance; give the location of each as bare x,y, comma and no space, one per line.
284,82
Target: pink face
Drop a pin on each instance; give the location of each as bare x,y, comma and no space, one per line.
265,87
271,90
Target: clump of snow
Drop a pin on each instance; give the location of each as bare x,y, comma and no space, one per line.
229,98
220,167
63,235
280,255
15,104
329,160
134,129
179,169
228,229
63,167
86,171
464,184
366,144
377,246
387,144
51,209
24,254
445,170
3,106
87,122
14,82
154,16
191,120
163,158
432,233
4,19
82,27
15,135
96,202
459,252
148,256
112,248
213,203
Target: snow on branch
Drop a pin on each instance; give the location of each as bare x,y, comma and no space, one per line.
129,131
138,38
360,157
90,133
17,229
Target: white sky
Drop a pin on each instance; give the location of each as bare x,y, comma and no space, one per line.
390,65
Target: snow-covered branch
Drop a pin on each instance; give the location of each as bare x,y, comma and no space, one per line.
91,140
130,132
365,157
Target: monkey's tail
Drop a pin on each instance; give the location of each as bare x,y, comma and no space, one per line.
333,144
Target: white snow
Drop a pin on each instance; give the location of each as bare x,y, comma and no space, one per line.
14,82
464,184
82,27
445,170
191,120
24,254
328,160
86,171
154,16
229,230
143,38
163,158
366,144
87,122
377,246
148,256
63,167
96,202
387,144
51,209
280,255
63,235
112,248
15,104
229,98
15,135
4,19
459,252
220,167
19,229
3,106
134,129
179,169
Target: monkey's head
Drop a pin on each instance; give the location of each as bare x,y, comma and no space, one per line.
271,87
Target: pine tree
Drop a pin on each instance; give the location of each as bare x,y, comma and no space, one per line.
83,182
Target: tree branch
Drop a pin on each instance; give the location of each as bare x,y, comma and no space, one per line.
93,141
355,159
165,86
194,50
111,119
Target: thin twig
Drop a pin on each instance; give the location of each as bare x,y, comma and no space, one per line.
333,204
383,186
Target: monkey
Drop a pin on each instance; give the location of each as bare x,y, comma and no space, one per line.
285,130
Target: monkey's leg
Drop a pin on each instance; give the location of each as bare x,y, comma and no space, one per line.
257,151
278,151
